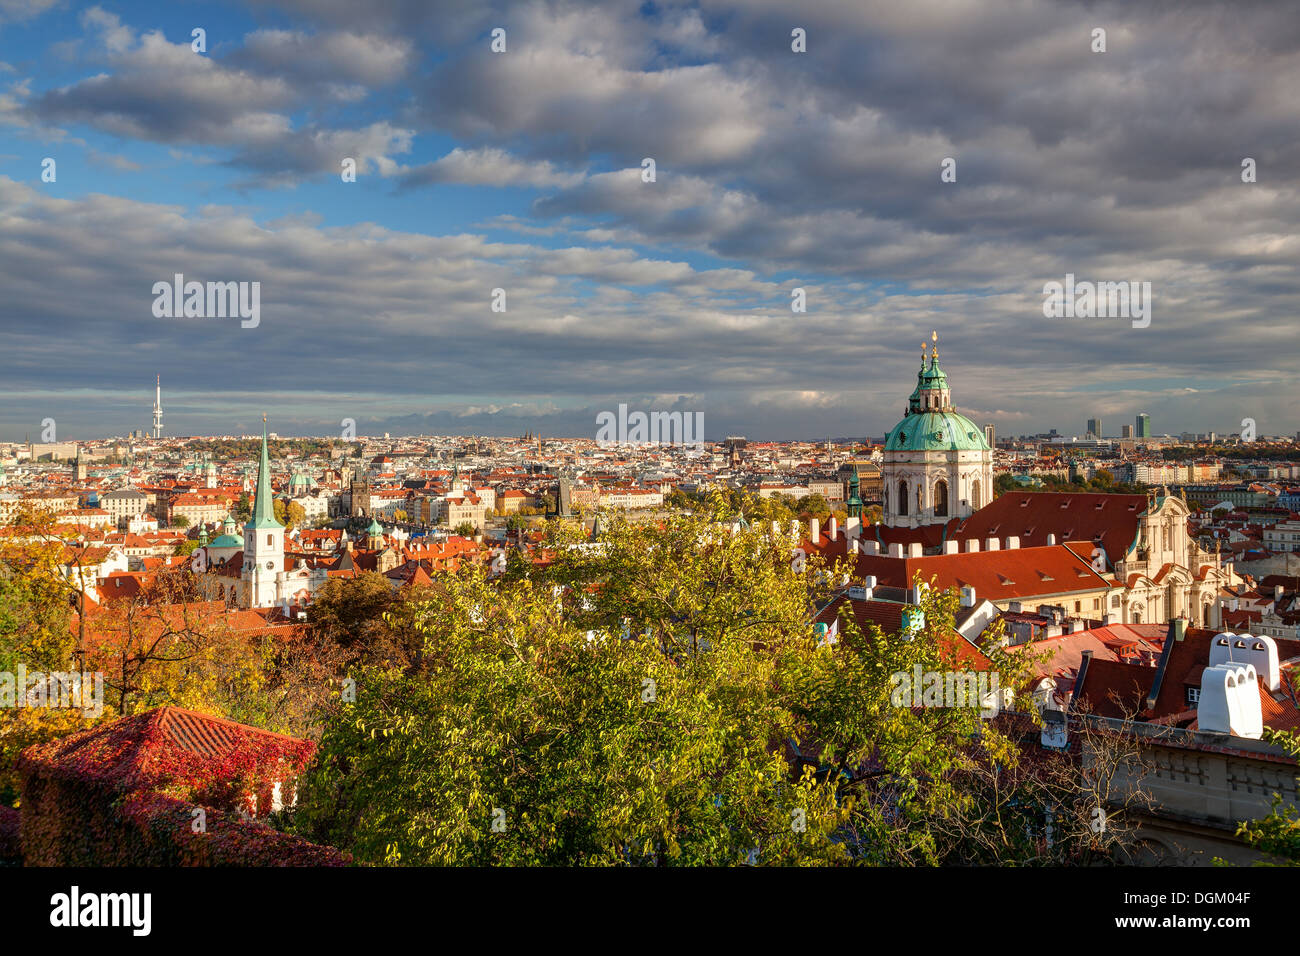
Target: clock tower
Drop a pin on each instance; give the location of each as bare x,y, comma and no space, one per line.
263,541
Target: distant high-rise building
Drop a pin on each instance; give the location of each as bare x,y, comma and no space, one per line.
1126,431
1142,427
1094,427
989,436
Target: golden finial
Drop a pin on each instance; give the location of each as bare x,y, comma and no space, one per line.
934,337
924,346
263,418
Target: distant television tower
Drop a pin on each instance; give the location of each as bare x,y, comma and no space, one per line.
157,409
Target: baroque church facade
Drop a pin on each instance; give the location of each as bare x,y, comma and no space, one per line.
938,498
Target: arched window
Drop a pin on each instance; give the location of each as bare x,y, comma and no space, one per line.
902,497
941,498
975,495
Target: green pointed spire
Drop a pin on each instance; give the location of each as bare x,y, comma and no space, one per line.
263,504
855,499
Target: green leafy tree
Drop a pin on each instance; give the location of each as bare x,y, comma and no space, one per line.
659,697
349,611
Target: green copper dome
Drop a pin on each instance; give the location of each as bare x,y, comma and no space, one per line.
228,541
936,431
375,528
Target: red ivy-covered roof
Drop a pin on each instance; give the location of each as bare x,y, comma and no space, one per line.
175,750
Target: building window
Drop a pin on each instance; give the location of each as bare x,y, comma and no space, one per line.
268,540
1193,695
975,495
902,497
941,499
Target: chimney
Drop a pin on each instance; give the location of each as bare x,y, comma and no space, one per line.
895,550
1051,540
1076,626
870,546
1229,702
1013,607
992,544
814,531
1013,542
869,582
972,545
950,547
914,549
1179,626
853,527
833,529
1258,651
795,529
967,597
1278,591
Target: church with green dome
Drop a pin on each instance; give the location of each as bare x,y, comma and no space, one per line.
937,463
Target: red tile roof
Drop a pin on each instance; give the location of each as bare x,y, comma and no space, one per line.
167,747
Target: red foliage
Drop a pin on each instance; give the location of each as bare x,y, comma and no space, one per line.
191,756
128,793
10,835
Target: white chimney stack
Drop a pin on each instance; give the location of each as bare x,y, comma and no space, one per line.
895,550
914,549
1229,702
972,545
950,547
814,531
1260,652
1051,540
870,546
833,529
992,544
1013,542
967,597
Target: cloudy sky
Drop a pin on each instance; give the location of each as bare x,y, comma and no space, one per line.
522,170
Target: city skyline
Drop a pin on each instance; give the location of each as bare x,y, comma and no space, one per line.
155,431
523,171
